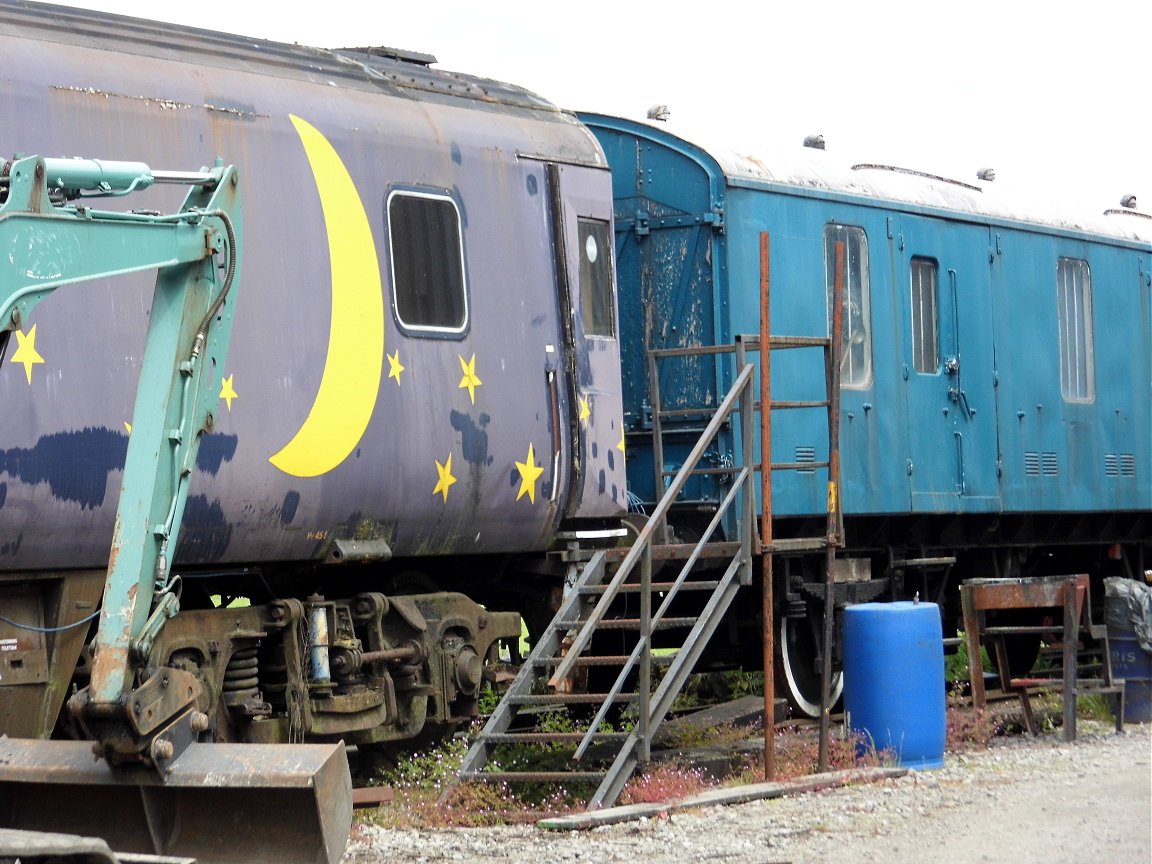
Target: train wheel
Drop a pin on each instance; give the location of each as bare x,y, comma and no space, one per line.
798,665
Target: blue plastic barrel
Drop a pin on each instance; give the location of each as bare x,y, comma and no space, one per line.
1134,665
894,679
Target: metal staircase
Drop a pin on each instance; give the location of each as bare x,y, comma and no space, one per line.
612,581
573,649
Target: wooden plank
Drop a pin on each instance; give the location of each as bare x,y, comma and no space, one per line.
728,795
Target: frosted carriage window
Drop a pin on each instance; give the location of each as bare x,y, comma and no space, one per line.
925,329
427,262
1074,310
856,336
596,278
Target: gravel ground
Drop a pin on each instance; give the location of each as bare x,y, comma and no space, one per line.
1022,800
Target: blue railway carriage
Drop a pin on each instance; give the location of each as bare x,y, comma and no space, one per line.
995,363
422,389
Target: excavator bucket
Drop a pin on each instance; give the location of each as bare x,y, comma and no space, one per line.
218,803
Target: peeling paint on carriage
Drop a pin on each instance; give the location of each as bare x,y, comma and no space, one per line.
76,466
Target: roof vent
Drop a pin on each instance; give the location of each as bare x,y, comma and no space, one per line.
658,112
1128,201
816,142
986,174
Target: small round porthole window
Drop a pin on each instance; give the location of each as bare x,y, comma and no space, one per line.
591,249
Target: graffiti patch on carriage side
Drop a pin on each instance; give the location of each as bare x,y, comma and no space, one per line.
288,508
205,532
215,450
12,547
473,438
75,465
3,494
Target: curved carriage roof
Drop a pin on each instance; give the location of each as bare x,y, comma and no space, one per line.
819,171
399,72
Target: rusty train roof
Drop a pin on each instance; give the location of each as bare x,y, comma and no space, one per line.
397,72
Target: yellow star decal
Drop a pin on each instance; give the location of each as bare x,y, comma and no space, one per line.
620,446
470,380
529,473
227,393
585,411
445,477
26,352
395,367
128,426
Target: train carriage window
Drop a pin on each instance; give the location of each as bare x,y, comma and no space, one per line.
1074,310
427,262
596,278
925,318
856,338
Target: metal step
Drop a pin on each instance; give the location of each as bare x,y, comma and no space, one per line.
551,737
602,660
533,776
569,699
631,624
635,588
796,544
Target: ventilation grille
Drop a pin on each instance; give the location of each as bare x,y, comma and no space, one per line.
1041,464
806,454
1119,465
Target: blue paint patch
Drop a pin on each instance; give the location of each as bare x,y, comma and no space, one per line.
615,493
611,460
3,494
75,465
288,508
457,157
205,532
214,451
603,481
532,184
595,450
538,321
473,438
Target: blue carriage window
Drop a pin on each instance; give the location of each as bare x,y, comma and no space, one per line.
596,278
1074,310
427,262
925,317
856,336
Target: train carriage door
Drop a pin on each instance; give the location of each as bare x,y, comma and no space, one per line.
582,225
943,284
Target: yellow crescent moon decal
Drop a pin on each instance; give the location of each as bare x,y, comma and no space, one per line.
351,379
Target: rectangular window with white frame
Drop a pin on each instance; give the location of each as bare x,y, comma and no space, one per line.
925,316
1074,311
855,336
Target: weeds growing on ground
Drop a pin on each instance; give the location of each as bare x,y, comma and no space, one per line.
665,781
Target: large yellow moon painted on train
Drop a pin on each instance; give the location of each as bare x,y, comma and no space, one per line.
351,378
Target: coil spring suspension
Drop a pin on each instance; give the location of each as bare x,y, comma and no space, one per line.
241,688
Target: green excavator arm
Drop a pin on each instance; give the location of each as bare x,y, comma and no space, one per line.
146,731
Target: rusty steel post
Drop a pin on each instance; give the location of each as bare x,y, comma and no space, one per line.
766,514
832,361
1071,635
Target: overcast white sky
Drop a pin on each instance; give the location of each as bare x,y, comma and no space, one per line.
1054,96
